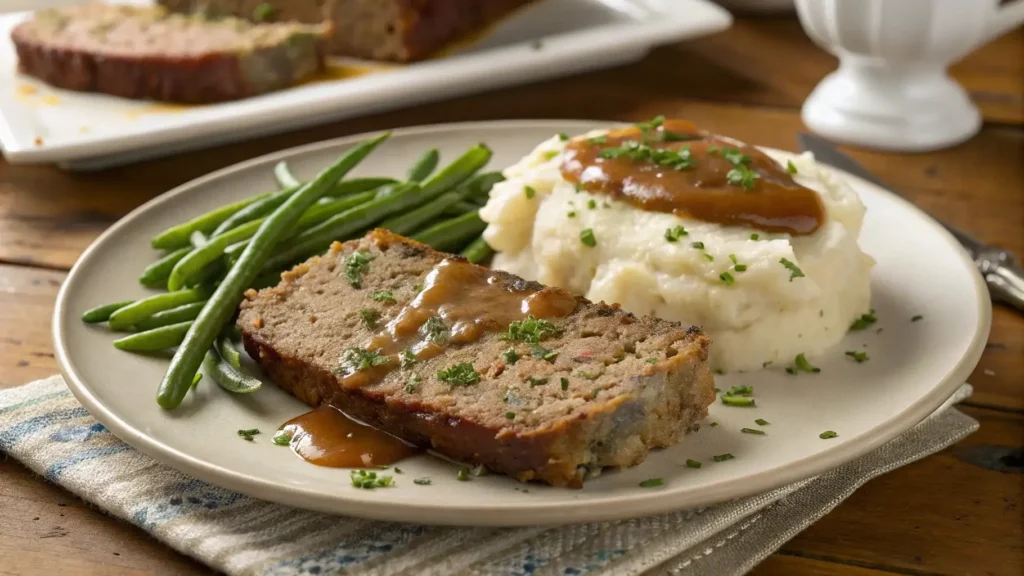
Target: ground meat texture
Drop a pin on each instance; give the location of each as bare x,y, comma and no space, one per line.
397,30
632,384
147,53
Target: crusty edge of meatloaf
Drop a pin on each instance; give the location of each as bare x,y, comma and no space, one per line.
201,80
671,398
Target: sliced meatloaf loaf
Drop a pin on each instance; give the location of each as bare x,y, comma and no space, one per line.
398,30
147,53
549,398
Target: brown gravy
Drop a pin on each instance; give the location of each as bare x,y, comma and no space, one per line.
327,437
459,303
767,199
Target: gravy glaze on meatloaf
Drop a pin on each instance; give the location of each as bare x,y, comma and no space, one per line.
148,53
600,389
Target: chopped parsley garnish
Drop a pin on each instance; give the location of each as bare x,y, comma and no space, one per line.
510,415
713,424
652,483
435,330
652,360
383,296
800,364
531,330
740,267
860,357
510,356
368,479
565,383
761,422
529,191
743,176
407,357
598,140
735,157
548,156
536,381
462,475
827,434
864,321
398,470
790,167
563,136
742,401
425,481
723,457
732,258
651,124
742,390
479,470
916,318
709,257
571,214
591,204
754,431
755,236
370,317
410,385
697,245
356,266
691,463
641,152
249,434
282,438
674,234
356,360
542,353
794,270
727,278
587,237
461,374
263,12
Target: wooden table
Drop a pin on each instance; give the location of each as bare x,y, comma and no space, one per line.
958,512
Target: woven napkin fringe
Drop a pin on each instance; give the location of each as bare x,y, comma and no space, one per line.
43,426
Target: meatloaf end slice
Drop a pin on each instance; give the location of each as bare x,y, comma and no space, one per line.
146,53
396,30
616,386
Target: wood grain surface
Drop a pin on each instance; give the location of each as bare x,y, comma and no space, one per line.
958,512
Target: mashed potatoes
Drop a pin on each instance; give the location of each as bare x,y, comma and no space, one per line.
765,315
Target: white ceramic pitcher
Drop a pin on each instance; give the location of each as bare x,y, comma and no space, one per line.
891,90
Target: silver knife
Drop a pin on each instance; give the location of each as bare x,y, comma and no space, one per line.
1000,268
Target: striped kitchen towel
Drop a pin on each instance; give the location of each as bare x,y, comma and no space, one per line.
43,426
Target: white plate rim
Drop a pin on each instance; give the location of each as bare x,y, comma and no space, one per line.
526,513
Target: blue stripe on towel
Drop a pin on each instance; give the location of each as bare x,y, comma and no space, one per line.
184,498
33,401
54,471
352,553
27,428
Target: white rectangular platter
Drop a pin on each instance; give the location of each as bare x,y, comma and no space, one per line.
42,124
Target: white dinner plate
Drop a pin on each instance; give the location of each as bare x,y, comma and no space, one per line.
551,38
913,367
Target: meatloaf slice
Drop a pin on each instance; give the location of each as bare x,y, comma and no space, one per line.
397,30
601,390
147,53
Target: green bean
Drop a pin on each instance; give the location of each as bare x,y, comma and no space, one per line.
196,379
284,176
225,300
408,222
156,274
181,313
231,332
228,352
156,339
424,166
102,313
178,236
478,251
482,185
227,376
449,234
255,210
197,239
345,224
197,260
314,215
138,311
460,208
340,226
268,204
